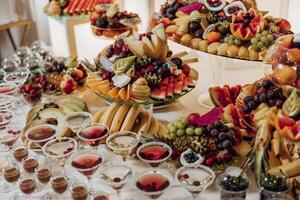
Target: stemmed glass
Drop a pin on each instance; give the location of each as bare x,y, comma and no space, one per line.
195,178
9,135
154,153
41,134
153,183
77,120
123,143
27,185
7,88
23,52
94,135
116,175
87,163
9,65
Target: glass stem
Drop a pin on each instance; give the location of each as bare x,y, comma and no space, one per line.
90,184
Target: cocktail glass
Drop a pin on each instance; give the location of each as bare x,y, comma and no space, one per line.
9,135
116,175
154,153
7,88
5,118
77,120
195,178
87,163
79,191
41,134
60,149
94,135
6,101
27,185
153,183
123,143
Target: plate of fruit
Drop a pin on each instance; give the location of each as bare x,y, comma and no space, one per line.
60,77
140,69
235,29
211,137
111,22
282,62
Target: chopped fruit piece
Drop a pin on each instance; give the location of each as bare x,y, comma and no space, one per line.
113,92
214,37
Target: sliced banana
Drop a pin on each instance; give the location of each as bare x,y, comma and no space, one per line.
145,121
98,114
109,114
119,118
163,131
130,118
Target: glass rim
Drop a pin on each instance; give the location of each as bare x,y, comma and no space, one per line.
93,125
75,144
154,144
87,151
41,126
123,133
13,85
230,191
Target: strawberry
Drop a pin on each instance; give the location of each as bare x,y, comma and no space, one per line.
209,161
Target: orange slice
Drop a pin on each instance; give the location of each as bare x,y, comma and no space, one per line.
122,94
113,92
128,91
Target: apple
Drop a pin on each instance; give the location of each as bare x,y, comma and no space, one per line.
283,24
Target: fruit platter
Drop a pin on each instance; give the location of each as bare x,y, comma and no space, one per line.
72,7
58,77
269,112
52,113
140,69
111,22
237,29
282,61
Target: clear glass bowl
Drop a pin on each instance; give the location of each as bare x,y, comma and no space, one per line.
112,32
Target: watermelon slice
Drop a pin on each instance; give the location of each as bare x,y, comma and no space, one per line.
171,87
178,87
165,82
210,117
217,96
159,93
185,84
190,82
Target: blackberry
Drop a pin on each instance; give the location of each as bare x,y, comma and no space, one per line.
102,22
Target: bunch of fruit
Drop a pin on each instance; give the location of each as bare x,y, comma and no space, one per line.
140,68
111,22
206,135
31,93
58,77
286,61
72,7
124,117
236,29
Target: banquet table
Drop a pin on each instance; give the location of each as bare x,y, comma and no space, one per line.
187,104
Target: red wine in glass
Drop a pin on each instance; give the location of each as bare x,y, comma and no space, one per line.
86,163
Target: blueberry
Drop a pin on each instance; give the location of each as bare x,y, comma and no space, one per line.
222,136
247,99
220,146
262,97
252,105
272,102
218,124
267,84
227,144
214,133
177,61
270,94
247,109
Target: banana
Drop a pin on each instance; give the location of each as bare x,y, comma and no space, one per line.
119,118
130,118
163,131
96,117
154,127
109,114
145,120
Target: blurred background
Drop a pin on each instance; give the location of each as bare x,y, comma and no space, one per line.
54,32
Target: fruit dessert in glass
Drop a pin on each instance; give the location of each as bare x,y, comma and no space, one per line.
43,173
154,153
20,152
60,149
9,135
232,187
30,163
123,143
77,120
273,187
31,93
27,185
153,183
11,174
111,22
87,163
116,175
94,135
79,191
195,178
59,183
284,58
41,134
100,196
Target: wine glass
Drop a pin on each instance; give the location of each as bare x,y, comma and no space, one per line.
27,185
23,52
154,153
123,143
195,178
59,183
79,191
9,135
153,183
77,120
87,163
116,175
94,135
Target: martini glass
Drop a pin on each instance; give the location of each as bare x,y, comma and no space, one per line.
77,120
60,149
154,153
41,134
94,135
123,143
116,175
153,183
6,101
87,163
195,178
9,135
7,88
5,118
